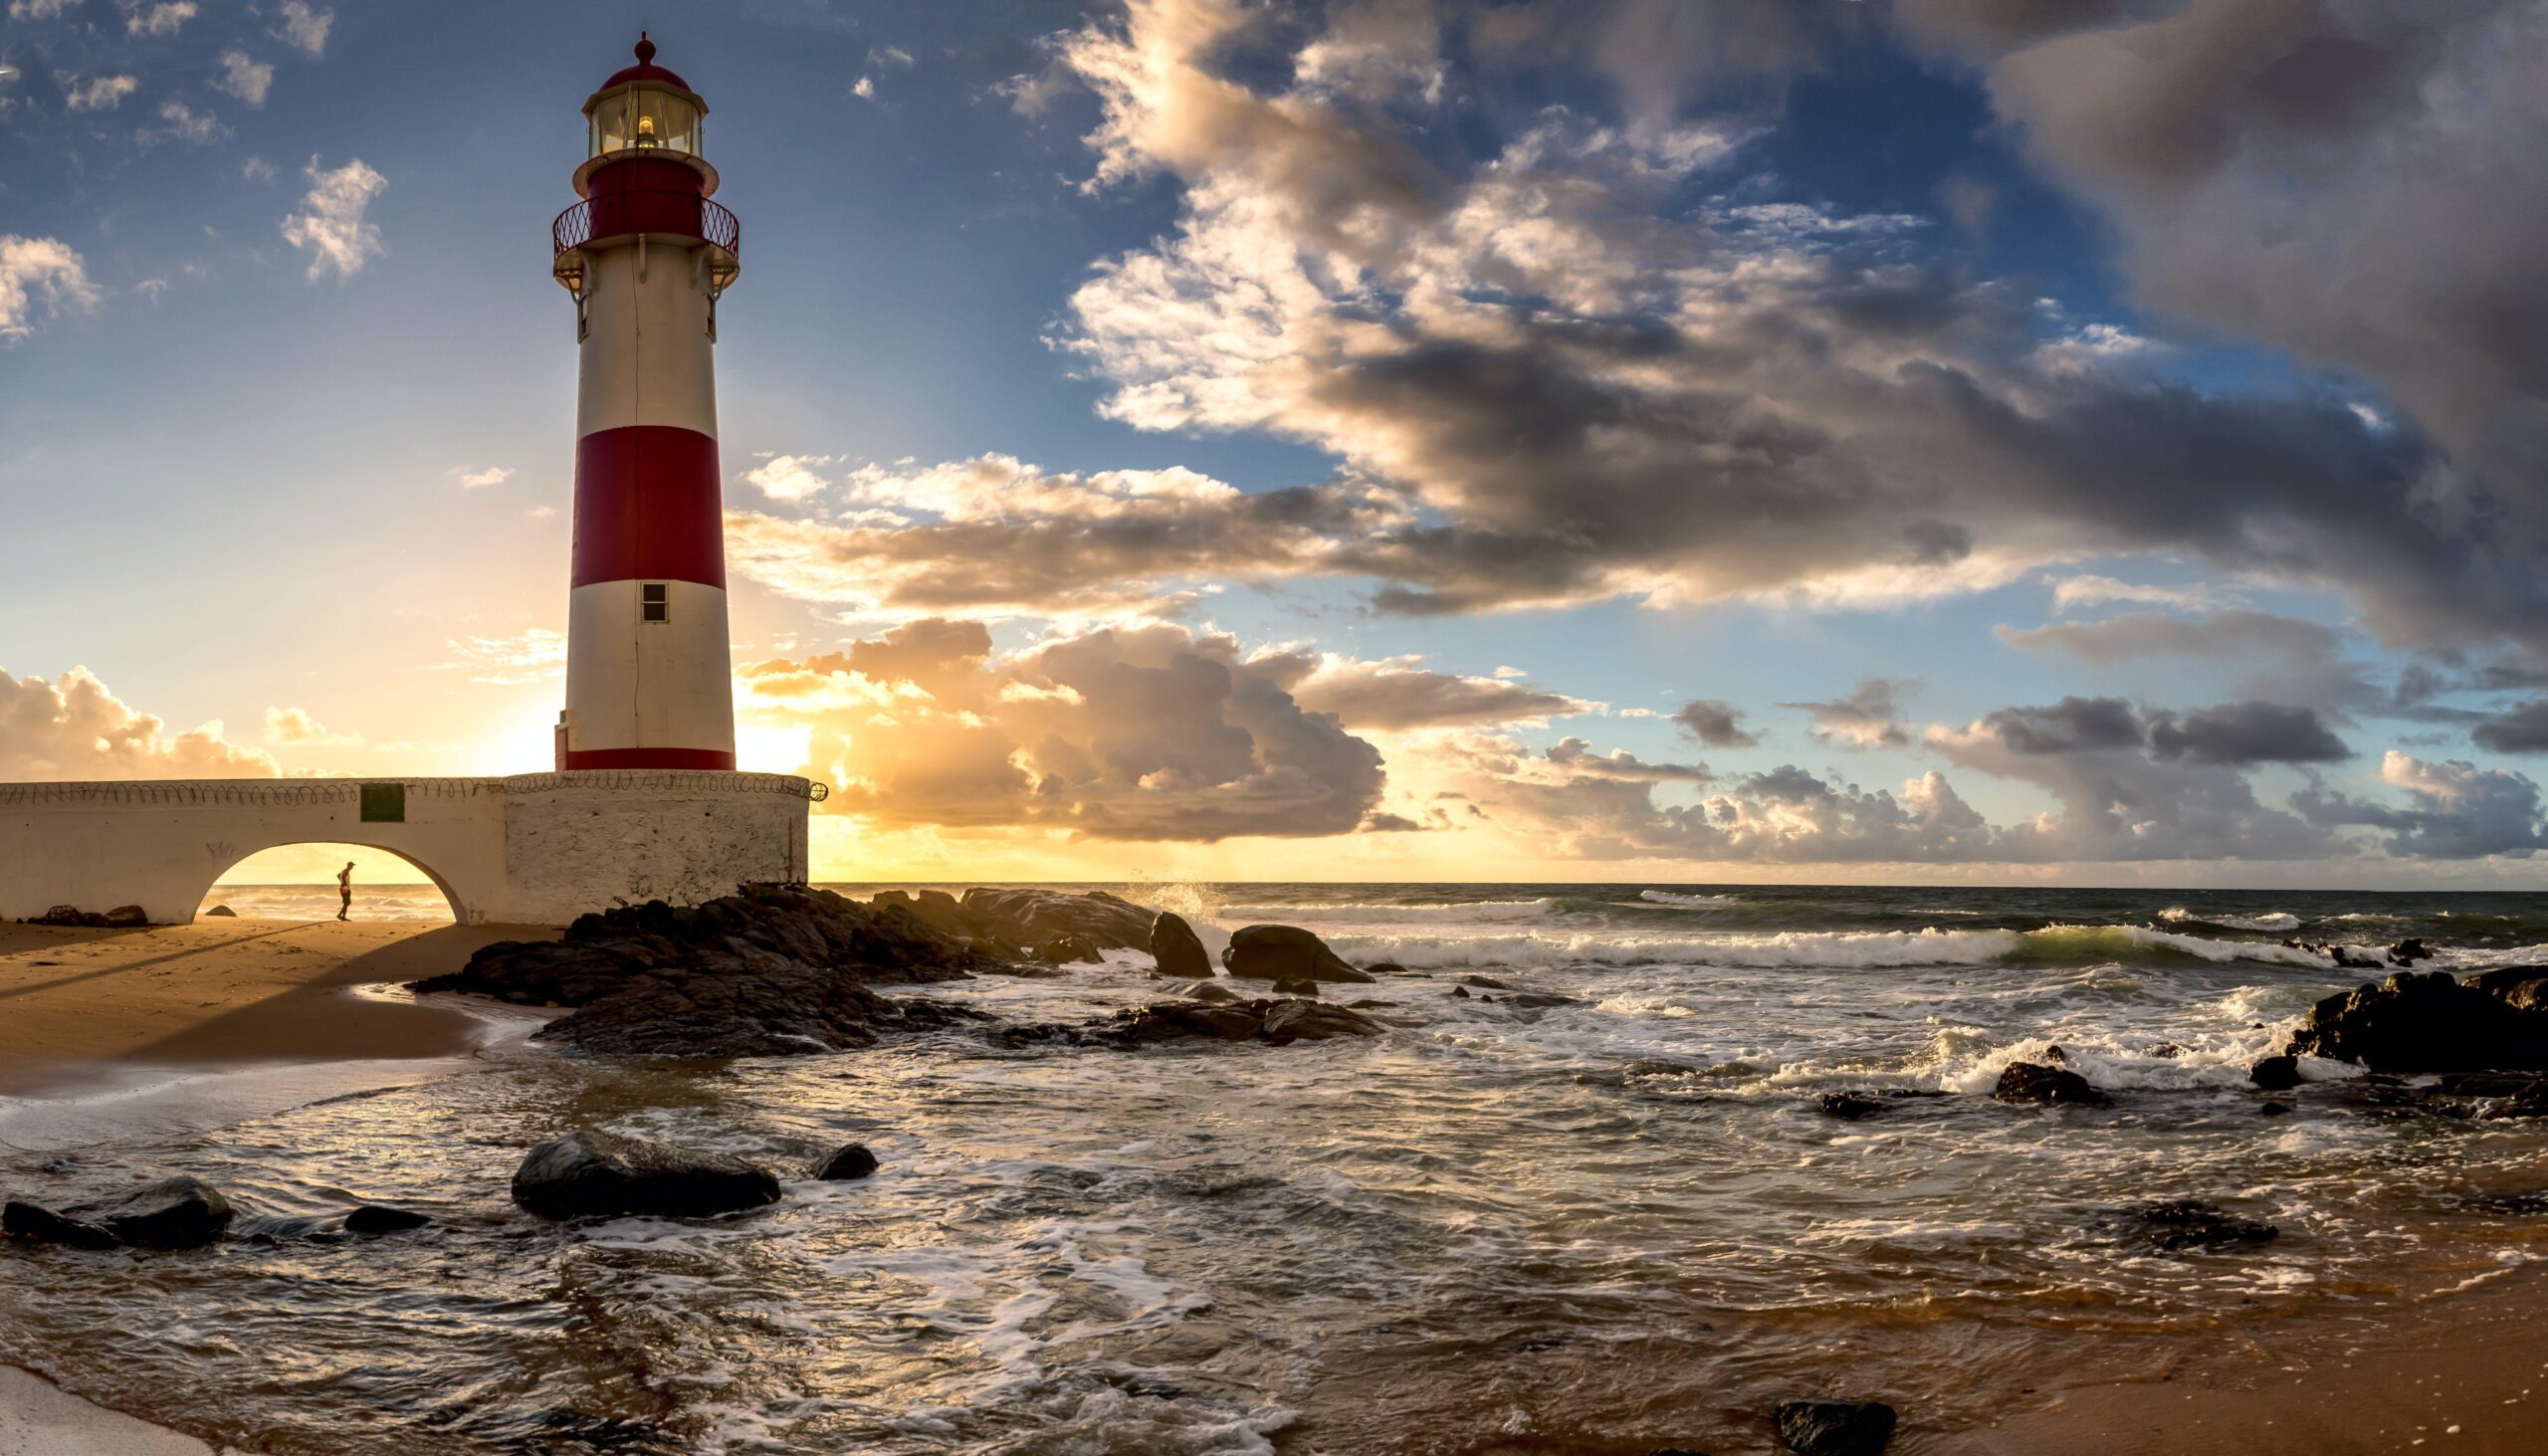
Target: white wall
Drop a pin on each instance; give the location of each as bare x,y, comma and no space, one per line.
532,849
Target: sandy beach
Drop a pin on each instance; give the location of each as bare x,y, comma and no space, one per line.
221,993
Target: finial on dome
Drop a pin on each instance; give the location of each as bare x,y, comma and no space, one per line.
645,50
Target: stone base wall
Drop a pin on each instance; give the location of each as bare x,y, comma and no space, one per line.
531,849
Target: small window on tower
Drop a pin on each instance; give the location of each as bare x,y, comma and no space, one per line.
654,597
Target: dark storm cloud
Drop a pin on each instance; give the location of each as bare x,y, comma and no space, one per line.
2520,730
2068,727
2457,810
1863,719
1715,723
2246,733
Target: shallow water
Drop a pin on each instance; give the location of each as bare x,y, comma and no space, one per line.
1599,1227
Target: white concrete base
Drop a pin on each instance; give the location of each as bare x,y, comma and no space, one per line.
532,849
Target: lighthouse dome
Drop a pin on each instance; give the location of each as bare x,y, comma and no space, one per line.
645,69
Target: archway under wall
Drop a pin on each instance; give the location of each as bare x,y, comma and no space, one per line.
297,882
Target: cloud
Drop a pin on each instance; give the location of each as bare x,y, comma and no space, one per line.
96,93
479,480
1864,718
789,477
1599,369
533,655
303,27
2456,810
38,9
2245,733
894,56
294,727
1148,732
183,123
2147,634
864,89
245,79
2339,181
40,279
160,20
330,222
993,535
2070,593
2074,724
1715,723
257,170
1397,694
2519,729
74,729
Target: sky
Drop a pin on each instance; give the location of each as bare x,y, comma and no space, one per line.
2000,441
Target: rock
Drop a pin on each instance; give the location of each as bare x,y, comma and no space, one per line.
1539,1000
1459,993
1385,967
1068,951
1030,917
2191,1224
373,1218
181,1213
769,971
2408,951
2026,1082
35,1224
1292,1021
2522,988
2166,1049
1282,952
125,917
1834,1427
223,910
1850,1106
852,1160
2427,1022
61,915
1178,949
2276,1074
589,1173
2273,1110
1484,983
2057,1056
1205,990
1296,985
934,908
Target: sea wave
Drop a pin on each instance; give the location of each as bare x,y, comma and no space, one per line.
1487,910
1688,902
2052,946
2274,921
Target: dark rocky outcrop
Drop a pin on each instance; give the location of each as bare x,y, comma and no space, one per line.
1205,990
181,1213
1278,1023
1178,949
223,910
1282,952
770,970
592,1173
2429,1021
376,1218
1296,985
2522,988
121,917
2028,1082
1852,1105
1068,951
851,1161
1385,967
2191,1224
1538,1000
2276,1074
2408,951
1033,916
1834,1427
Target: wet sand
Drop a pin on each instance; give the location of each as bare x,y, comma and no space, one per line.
222,992
2467,1374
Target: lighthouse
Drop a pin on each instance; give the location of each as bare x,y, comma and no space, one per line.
646,254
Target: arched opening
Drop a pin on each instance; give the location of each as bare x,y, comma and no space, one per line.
297,882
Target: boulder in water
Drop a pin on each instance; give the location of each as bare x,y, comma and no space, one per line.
1031,916
2026,1082
2276,1074
1291,1021
1278,1023
1852,1105
2428,1022
769,971
33,1223
2522,988
852,1160
1834,1427
1068,951
374,1218
1178,949
1296,985
2408,951
1205,990
2191,1224
181,1213
592,1173
1283,953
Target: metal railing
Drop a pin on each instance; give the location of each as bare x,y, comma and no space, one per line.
574,228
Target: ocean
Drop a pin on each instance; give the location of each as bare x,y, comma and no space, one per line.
1606,1226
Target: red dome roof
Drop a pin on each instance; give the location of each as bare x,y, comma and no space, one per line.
645,69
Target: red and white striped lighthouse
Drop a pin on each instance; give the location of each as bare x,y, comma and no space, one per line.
646,254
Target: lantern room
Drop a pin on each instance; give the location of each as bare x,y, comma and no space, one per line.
645,111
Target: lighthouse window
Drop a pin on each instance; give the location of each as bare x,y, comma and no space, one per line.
654,601
644,119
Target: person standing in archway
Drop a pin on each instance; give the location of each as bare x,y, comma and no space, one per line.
346,891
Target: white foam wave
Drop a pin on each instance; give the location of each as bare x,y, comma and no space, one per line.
1487,910
1687,902
2273,920
1804,949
